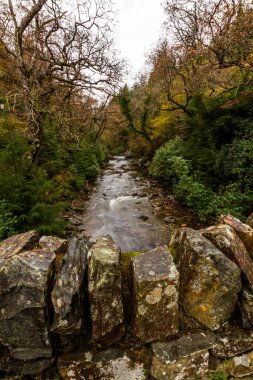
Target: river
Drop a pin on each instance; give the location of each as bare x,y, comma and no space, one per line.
122,205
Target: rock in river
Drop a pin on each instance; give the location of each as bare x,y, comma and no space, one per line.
155,288
105,292
209,281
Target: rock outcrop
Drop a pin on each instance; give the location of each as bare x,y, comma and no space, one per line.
209,281
105,293
155,288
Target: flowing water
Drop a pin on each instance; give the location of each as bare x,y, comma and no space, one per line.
119,206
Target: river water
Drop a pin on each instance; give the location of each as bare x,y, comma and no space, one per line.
119,206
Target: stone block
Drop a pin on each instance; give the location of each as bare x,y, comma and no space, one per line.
227,241
105,293
244,231
184,358
209,281
155,289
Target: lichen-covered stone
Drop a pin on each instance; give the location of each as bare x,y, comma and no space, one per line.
112,364
59,246
155,288
18,243
67,295
23,367
209,281
246,307
244,231
232,341
183,358
238,366
225,238
104,285
24,281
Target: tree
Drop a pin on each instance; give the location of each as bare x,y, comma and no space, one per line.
58,52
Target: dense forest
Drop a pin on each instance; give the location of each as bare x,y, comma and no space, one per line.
65,108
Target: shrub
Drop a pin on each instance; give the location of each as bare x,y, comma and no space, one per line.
168,164
199,199
8,222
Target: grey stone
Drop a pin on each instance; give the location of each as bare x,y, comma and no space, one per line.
209,281
67,295
24,280
232,341
244,231
225,238
59,246
183,358
238,366
105,293
112,364
18,243
155,289
246,307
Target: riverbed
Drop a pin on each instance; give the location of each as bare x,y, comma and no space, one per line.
127,206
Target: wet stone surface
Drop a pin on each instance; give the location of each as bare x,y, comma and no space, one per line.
155,289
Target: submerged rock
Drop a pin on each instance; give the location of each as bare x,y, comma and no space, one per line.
184,358
244,231
105,293
225,238
112,364
209,281
68,292
155,288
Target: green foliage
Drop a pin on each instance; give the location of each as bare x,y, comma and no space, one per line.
218,376
33,195
168,164
210,170
8,222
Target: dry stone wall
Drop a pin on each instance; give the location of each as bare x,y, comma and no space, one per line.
61,304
